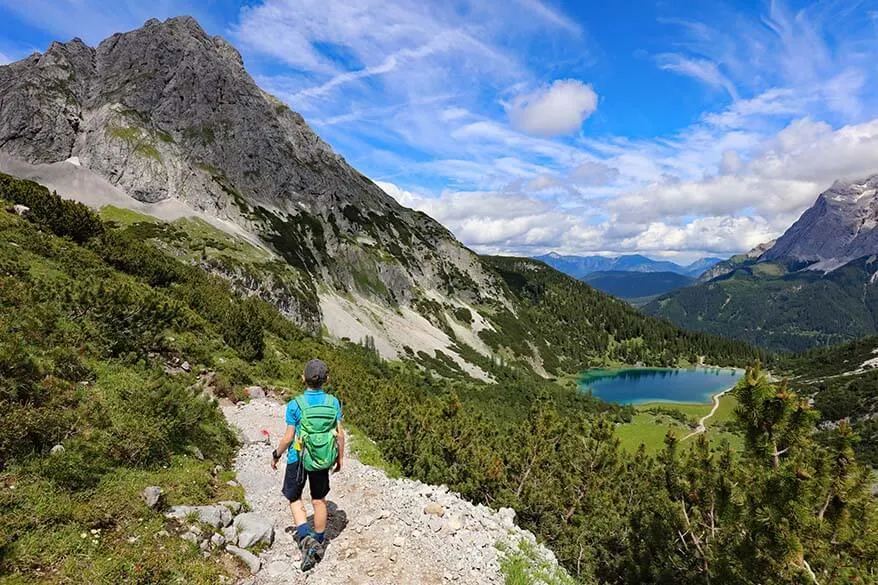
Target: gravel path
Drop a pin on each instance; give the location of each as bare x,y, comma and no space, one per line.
381,530
702,423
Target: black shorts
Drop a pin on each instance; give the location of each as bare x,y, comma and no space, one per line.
294,482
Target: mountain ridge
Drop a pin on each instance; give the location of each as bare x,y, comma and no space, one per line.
815,285
165,117
579,266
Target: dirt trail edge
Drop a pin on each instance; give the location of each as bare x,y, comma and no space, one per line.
381,530
702,423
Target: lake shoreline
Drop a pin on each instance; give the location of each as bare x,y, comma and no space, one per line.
645,387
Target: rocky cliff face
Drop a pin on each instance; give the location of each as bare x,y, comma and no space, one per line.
727,266
167,112
839,227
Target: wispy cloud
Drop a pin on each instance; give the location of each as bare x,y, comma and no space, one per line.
700,69
499,117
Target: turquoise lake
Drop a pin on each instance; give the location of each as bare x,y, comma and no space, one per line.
640,385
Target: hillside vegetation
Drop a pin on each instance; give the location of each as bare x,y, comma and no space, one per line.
636,285
575,327
843,382
763,304
93,317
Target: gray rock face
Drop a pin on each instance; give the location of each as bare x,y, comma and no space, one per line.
253,528
727,266
839,227
168,112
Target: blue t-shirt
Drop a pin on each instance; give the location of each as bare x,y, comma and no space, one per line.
294,415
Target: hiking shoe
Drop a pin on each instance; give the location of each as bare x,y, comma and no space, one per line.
312,552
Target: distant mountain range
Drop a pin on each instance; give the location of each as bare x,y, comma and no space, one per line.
637,288
580,266
816,285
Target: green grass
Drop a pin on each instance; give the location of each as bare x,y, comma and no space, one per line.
124,217
124,547
131,134
650,429
368,452
148,151
525,567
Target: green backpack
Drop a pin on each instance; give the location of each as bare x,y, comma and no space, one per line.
317,433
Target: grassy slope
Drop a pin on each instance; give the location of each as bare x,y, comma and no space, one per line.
650,428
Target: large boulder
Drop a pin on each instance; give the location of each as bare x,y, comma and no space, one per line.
253,528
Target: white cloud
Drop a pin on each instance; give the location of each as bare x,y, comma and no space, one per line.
700,69
558,109
595,174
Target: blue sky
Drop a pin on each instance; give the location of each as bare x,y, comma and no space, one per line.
671,128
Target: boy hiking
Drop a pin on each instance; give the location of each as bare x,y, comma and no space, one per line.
315,444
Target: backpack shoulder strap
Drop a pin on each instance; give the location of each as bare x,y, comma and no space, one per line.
301,402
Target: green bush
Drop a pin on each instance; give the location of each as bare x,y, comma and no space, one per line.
63,217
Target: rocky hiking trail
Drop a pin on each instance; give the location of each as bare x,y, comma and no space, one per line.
381,530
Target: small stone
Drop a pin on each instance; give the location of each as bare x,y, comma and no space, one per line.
190,537
204,545
255,391
435,524
230,533
57,449
196,452
162,534
232,483
217,469
218,540
453,524
21,210
398,541
507,517
234,507
152,496
434,509
133,539
251,560
186,367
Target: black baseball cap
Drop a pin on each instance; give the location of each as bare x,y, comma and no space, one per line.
316,371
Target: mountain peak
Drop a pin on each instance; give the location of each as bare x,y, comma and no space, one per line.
840,226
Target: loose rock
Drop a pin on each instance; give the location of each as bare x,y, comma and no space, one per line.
253,528
255,392
57,449
381,530
216,516
252,561
152,496
434,509
234,507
